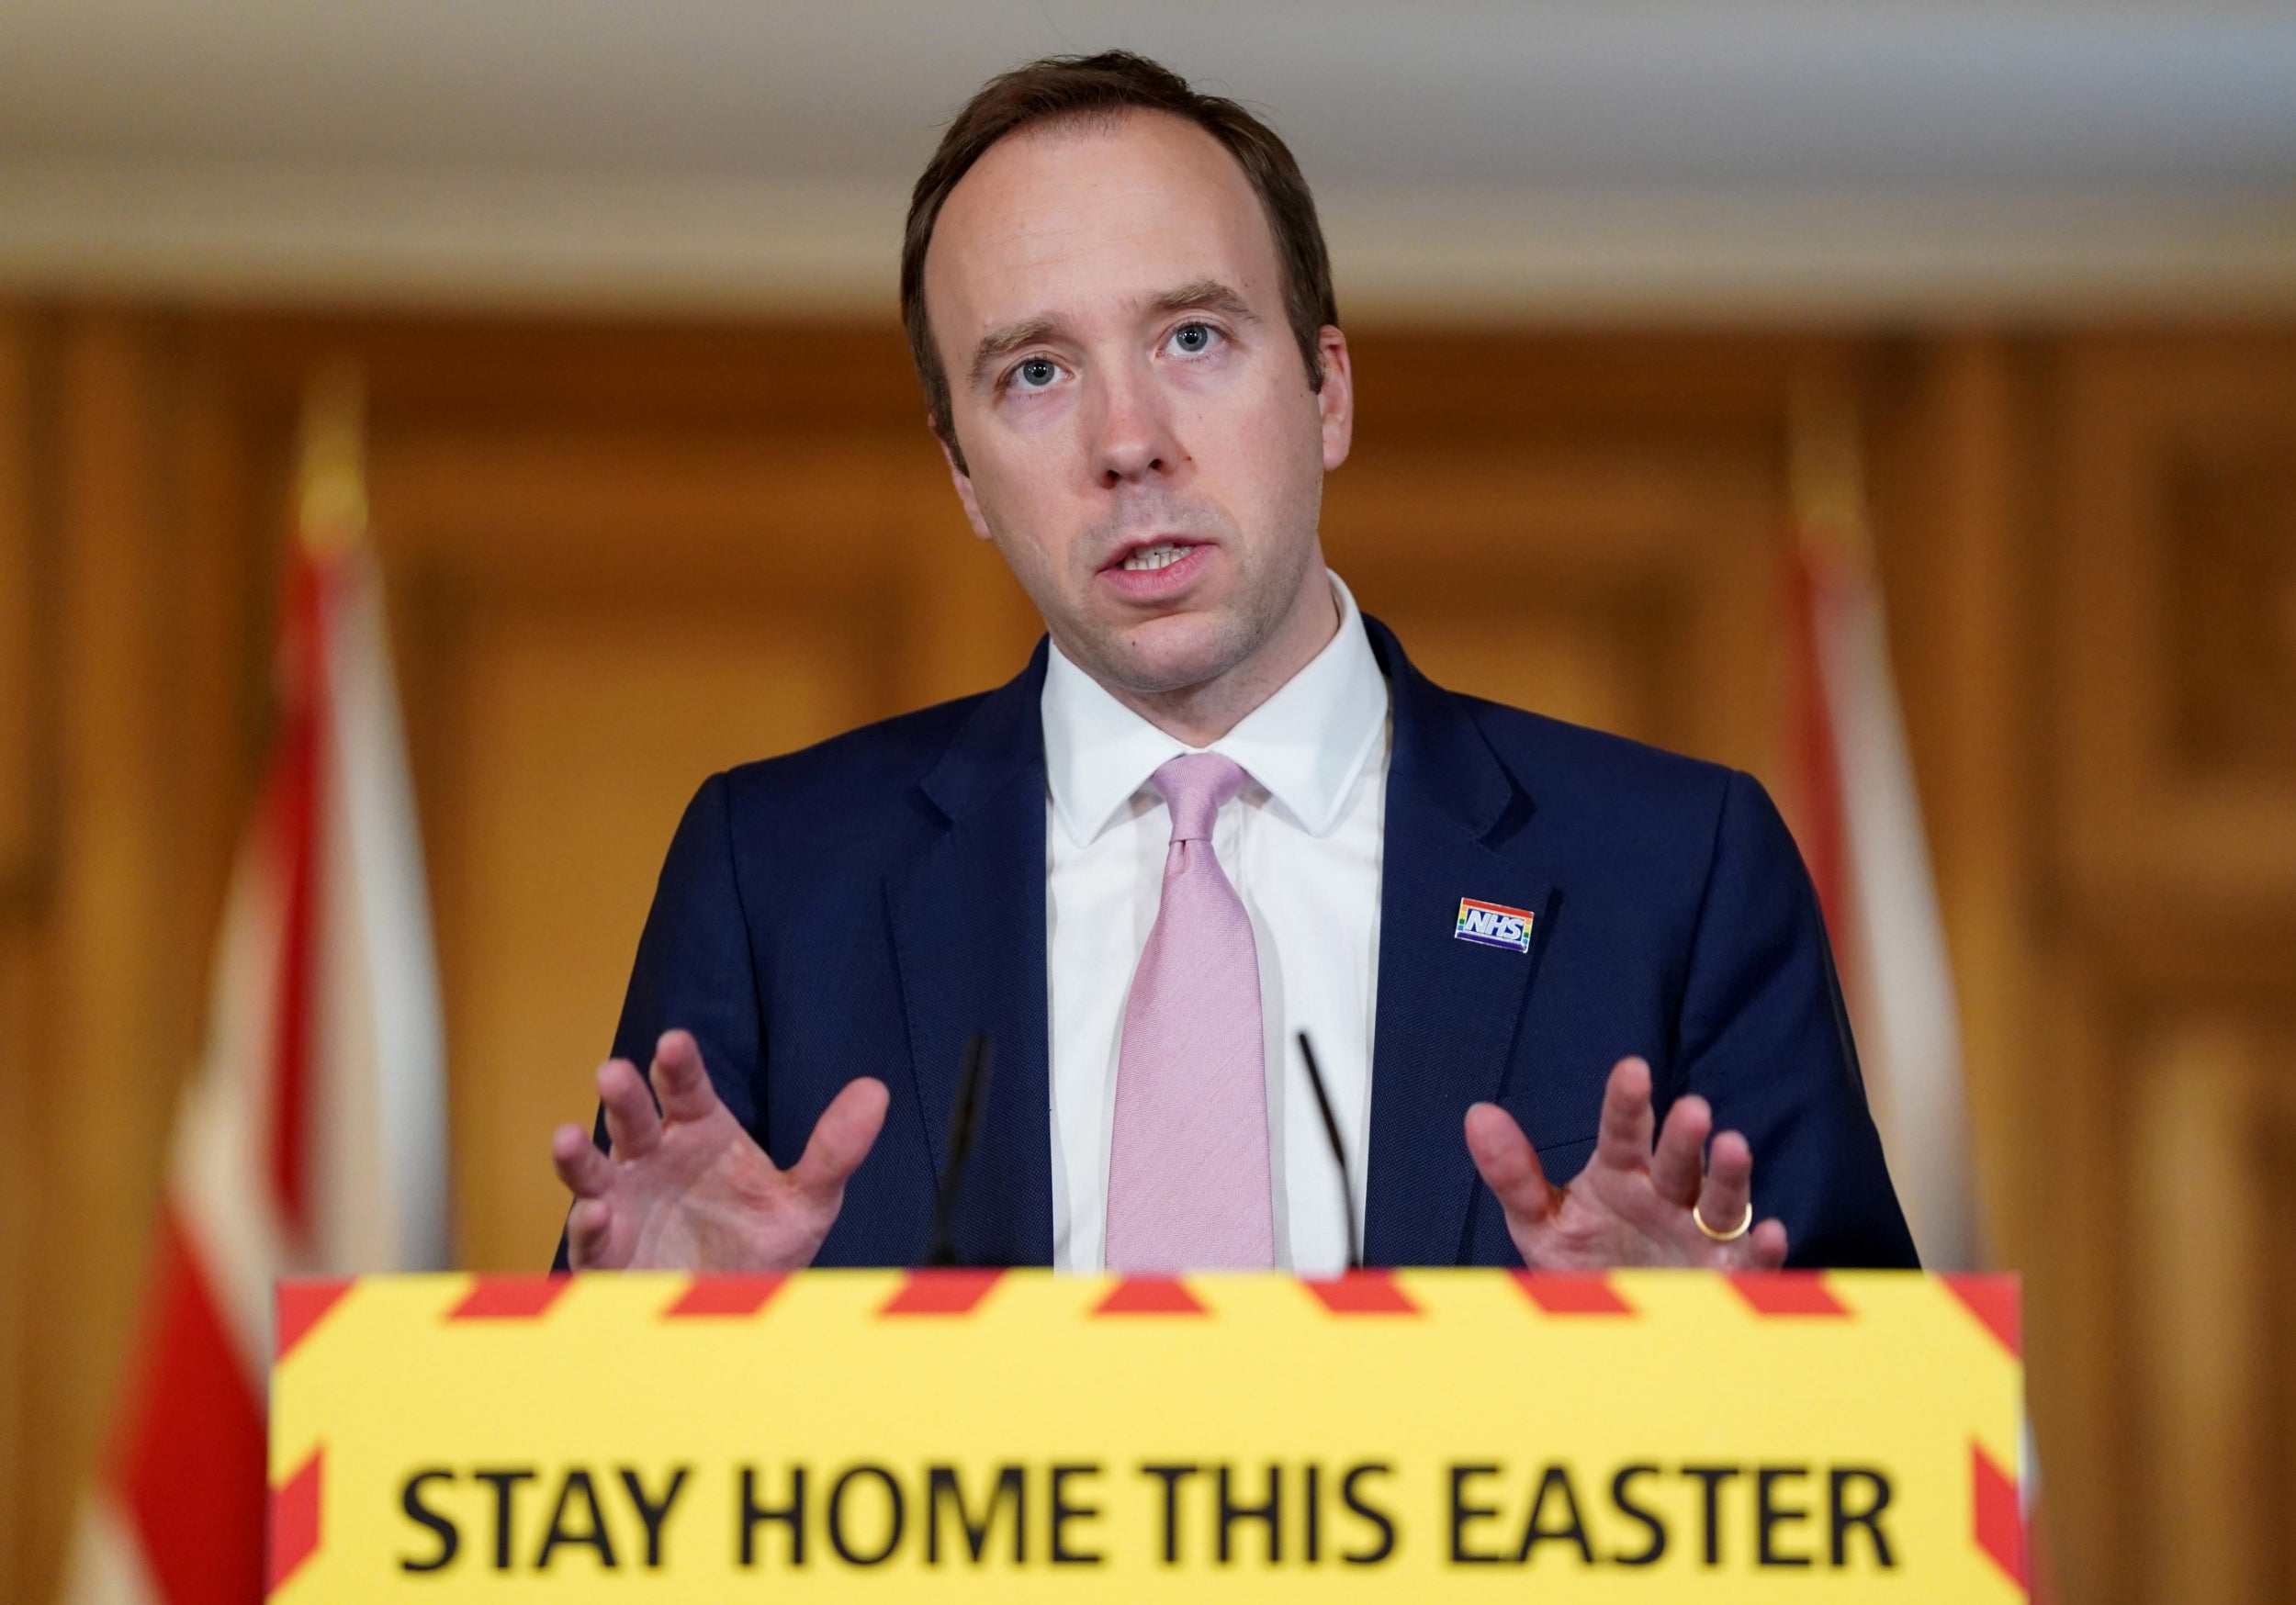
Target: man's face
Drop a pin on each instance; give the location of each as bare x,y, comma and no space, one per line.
1138,436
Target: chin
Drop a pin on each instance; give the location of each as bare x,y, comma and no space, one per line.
1173,654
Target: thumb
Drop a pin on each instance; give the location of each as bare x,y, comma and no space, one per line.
841,1138
1509,1164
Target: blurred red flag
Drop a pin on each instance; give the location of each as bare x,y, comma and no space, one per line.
311,1138
1857,816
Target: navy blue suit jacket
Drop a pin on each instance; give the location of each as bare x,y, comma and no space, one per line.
861,907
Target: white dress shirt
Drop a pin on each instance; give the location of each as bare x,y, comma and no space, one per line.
1301,844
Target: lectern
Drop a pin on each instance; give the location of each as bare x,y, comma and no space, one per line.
1422,1435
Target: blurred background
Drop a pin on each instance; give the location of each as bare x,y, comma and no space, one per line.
652,494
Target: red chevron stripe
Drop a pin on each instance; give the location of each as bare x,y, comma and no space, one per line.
302,1305
941,1293
295,1511
1994,1301
1362,1292
1788,1292
734,1296
510,1298
189,1467
1572,1292
1150,1295
1996,1521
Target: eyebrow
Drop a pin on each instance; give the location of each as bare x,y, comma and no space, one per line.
1204,294
1000,344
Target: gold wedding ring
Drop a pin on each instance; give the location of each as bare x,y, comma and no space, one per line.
1741,1229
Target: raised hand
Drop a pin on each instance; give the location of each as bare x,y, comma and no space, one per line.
687,1189
1633,1205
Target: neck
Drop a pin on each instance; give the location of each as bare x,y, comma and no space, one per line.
1200,715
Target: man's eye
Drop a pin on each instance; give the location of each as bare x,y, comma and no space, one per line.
1037,372
1194,339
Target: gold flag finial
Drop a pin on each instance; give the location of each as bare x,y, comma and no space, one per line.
331,479
1825,468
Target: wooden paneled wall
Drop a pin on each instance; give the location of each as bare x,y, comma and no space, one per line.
621,556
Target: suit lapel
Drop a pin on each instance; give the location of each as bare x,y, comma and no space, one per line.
968,927
1448,1009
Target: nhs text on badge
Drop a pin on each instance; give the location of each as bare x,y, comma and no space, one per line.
1493,926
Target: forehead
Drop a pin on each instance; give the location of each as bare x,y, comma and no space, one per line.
1073,216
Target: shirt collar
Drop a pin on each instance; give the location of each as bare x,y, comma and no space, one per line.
1306,745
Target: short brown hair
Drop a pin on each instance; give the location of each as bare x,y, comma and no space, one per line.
1107,86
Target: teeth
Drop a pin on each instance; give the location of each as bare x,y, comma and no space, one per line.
1161,556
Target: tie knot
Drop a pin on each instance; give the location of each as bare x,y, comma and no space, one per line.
1193,786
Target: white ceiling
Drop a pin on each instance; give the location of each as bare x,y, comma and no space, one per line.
1657,92
138,134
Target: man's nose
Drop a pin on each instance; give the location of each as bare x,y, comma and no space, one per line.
1133,439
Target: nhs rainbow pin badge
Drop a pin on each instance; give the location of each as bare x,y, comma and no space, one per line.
1494,926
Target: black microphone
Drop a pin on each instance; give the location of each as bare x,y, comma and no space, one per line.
964,1130
1339,1155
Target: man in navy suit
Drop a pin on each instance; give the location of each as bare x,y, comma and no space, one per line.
1218,811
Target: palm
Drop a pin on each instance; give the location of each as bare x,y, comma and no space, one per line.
709,1197
686,1188
1602,1219
1636,1203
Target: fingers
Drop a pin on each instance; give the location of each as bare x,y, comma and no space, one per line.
681,1084
1624,1142
1723,1201
633,1125
1678,1165
1765,1246
841,1139
586,1173
1720,1196
1509,1166
588,1233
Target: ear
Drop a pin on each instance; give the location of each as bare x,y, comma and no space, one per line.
963,482
1336,400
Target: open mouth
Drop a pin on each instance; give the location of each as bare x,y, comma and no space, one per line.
1163,554
1157,570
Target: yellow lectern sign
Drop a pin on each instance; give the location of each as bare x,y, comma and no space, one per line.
975,1435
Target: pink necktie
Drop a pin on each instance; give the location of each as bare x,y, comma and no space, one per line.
1188,1180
